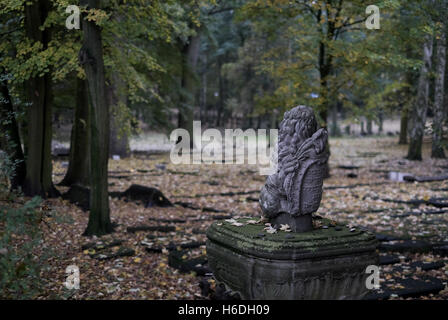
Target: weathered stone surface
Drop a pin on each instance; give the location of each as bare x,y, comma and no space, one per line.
192,206
151,228
388,260
197,265
441,250
428,265
320,264
407,288
295,190
387,237
101,245
174,246
174,220
106,255
406,246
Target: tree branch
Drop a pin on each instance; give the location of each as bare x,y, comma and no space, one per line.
216,10
9,31
353,23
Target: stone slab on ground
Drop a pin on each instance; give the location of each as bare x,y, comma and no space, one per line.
387,237
174,246
198,265
173,220
405,246
426,266
441,250
413,267
389,259
99,245
407,288
151,228
121,252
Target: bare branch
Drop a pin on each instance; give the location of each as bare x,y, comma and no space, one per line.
216,10
353,23
9,31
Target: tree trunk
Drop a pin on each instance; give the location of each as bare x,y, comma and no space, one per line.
78,171
347,129
418,119
439,114
380,122
325,63
334,129
9,135
369,126
119,139
190,54
221,93
203,105
38,179
403,126
91,58
323,112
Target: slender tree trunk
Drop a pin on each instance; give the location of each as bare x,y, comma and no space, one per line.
323,112
119,139
38,179
439,114
221,93
9,135
412,77
203,110
347,130
418,119
91,58
335,131
116,93
190,55
78,171
369,126
325,63
403,126
380,122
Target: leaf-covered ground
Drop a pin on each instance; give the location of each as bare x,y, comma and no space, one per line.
205,192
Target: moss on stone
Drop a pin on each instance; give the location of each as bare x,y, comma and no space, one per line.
253,238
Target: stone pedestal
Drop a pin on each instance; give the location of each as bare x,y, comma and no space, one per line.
297,224
325,263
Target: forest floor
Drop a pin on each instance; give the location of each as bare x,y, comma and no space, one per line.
150,264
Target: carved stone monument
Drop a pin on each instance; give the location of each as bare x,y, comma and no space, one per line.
289,254
292,194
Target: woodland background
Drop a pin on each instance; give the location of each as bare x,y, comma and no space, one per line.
135,70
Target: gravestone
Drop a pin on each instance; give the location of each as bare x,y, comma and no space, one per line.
289,254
